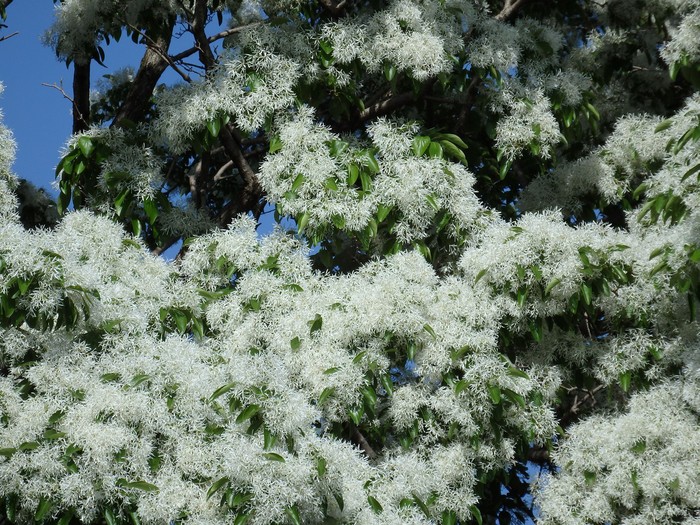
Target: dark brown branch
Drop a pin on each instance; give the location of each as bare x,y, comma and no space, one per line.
223,34
387,106
206,55
81,95
362,442
249,199
509,10
157,47
152,67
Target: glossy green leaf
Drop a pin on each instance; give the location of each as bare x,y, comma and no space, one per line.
217,485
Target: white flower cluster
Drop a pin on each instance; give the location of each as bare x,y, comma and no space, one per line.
297,346
80,25
415,37
684,45
529,122
609,172
639,468
8,201
248,88
309,176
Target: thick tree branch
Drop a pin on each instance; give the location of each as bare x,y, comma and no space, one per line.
206,55
162,51
81,95
360,440
153,64
386,106
252,191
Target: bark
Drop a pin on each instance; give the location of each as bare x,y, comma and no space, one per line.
153,64
81,95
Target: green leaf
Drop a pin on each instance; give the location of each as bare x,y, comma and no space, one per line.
7,452
366,181
430,330
461,385
149,206
389,71
371,161
86,146
449,518
376,506
298,181
420,145
453,151
435,150
214,126
454,139
514,397
50,434
639,447
476,513
433,203
137,485
663,126
241,519
353,174
273,457
316,324
221,391
293,514
495,394
275,144
625,380
516,372
321,466
589,477
217,485
248,412
586,293
480,275
66,518
109,517
383,211
327,392
302,221
295,344
330,184
695,169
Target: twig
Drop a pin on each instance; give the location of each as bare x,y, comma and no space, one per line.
59,88
3,38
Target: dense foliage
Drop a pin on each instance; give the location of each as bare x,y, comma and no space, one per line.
482,308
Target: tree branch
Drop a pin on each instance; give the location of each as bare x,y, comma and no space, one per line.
223,34
3,38
81,95
252,191
386,106
150,70
358,438
509,10
157,47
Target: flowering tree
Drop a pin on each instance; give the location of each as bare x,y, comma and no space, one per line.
493,270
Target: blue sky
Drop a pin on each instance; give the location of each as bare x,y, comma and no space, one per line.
39,116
